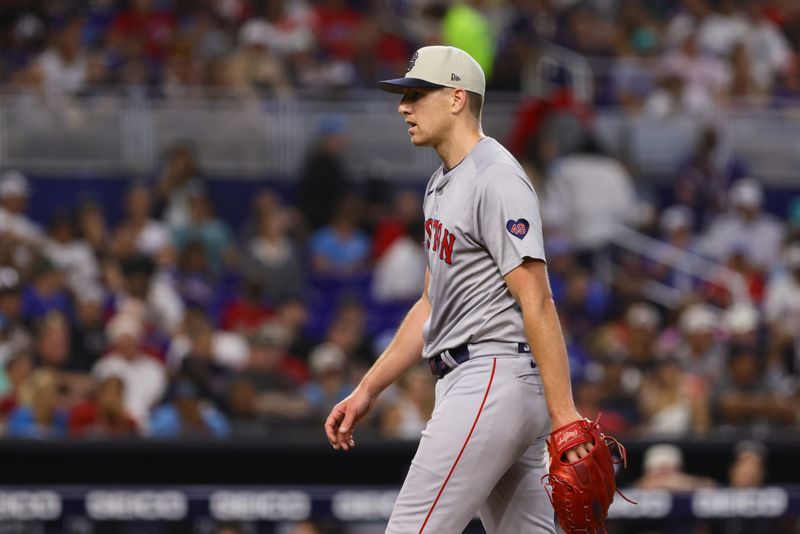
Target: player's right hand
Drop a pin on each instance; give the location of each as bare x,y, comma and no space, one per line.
345,416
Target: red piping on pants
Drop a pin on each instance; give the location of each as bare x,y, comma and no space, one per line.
471,430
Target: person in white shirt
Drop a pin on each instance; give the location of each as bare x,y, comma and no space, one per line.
699,353
745,228
14,224
287,27
19,235
64,67
399,272
153,289
178,181
723,28
766,45
152,236
74,257
705,78
144,377
782,310
588,195
691,15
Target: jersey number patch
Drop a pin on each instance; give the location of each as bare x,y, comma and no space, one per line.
518,228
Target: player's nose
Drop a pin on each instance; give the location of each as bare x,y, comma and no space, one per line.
404,107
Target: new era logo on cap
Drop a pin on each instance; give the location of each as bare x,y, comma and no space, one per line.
440,66
412,61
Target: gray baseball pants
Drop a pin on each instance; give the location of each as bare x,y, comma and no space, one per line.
482,451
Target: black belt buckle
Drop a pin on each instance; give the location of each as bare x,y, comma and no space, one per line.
439,366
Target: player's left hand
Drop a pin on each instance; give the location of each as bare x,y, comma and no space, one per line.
345,416
579,451
582,483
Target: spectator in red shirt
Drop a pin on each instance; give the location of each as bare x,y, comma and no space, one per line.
104,415
399,259
405,213
143,28
337,27
246,312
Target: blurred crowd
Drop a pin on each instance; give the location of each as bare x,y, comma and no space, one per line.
691,323
171,322
663,56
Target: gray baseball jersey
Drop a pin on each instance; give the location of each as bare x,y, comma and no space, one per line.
483,449
481,220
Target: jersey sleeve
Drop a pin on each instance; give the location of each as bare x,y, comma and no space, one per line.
507,215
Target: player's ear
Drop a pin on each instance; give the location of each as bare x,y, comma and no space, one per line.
458,100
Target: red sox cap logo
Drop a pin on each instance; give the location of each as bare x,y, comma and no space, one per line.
518,228
412,61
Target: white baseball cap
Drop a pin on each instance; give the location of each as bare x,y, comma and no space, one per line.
440,66
740,318
676,217
325,358
747,192
14,184
698,318
255,32
124,324
662,456
642,315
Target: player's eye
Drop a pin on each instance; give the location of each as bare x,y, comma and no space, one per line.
412,96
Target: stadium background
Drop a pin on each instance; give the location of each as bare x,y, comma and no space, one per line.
210,227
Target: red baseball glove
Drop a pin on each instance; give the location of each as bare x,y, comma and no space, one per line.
581,492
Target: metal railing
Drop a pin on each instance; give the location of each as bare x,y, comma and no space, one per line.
537,79
686,266
246,137
116,134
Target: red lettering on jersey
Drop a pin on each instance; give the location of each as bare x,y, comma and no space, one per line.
446,253
437,234
439,239
428,224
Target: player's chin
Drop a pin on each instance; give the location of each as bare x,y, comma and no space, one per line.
419,140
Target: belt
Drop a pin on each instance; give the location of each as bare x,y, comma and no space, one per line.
447,360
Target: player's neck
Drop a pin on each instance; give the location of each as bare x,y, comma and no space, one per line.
457,145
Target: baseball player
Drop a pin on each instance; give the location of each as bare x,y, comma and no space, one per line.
486,323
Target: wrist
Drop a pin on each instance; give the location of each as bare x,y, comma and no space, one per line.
563,418
371,389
